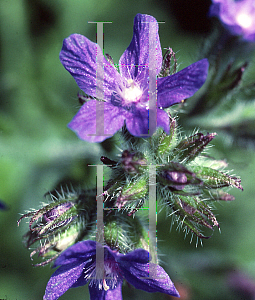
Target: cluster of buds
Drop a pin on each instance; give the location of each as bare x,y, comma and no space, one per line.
72,217
59,224
188,182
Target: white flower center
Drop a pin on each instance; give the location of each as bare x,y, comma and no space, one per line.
132,93
244,20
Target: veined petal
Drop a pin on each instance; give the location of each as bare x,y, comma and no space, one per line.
110,294
184,84
144,51
138,255
78,252
138,123
110,120
63,278
163,120
137,274
83,59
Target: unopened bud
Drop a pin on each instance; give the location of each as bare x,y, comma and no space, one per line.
192,146
215,179
59,224
193,213
176,176
132,195
169,56
132,162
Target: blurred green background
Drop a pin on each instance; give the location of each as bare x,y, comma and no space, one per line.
38,151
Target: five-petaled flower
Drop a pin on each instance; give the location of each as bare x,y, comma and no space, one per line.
78,267
237,15
133,95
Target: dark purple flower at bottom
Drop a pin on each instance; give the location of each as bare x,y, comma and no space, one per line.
78,267
125,94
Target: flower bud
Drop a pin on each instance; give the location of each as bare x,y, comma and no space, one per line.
132,162
192,213
125,234
133,194
166,64
192,146
59,224
218,195
215,179
176,176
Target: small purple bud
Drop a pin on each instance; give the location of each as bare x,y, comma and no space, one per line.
132,161
57,211
59,224
176,177
166,65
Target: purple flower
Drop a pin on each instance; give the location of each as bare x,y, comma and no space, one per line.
78,267
238,16
126,93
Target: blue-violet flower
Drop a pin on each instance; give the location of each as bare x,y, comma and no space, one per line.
78,267
237,15
126,93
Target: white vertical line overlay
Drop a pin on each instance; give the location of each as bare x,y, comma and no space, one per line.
100,224
100,80
152,78
152,221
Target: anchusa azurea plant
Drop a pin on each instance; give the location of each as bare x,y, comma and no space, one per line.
156,160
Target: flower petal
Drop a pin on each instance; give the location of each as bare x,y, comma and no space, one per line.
143,52
63,279
84,123
184,84
138,275
138,123
163,120
138,255
111,294
80,57
79,252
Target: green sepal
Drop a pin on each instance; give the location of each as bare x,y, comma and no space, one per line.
192,146
194,213
217,195
136,189
67,216
133,162
124,233
215,179
166,140
133,194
